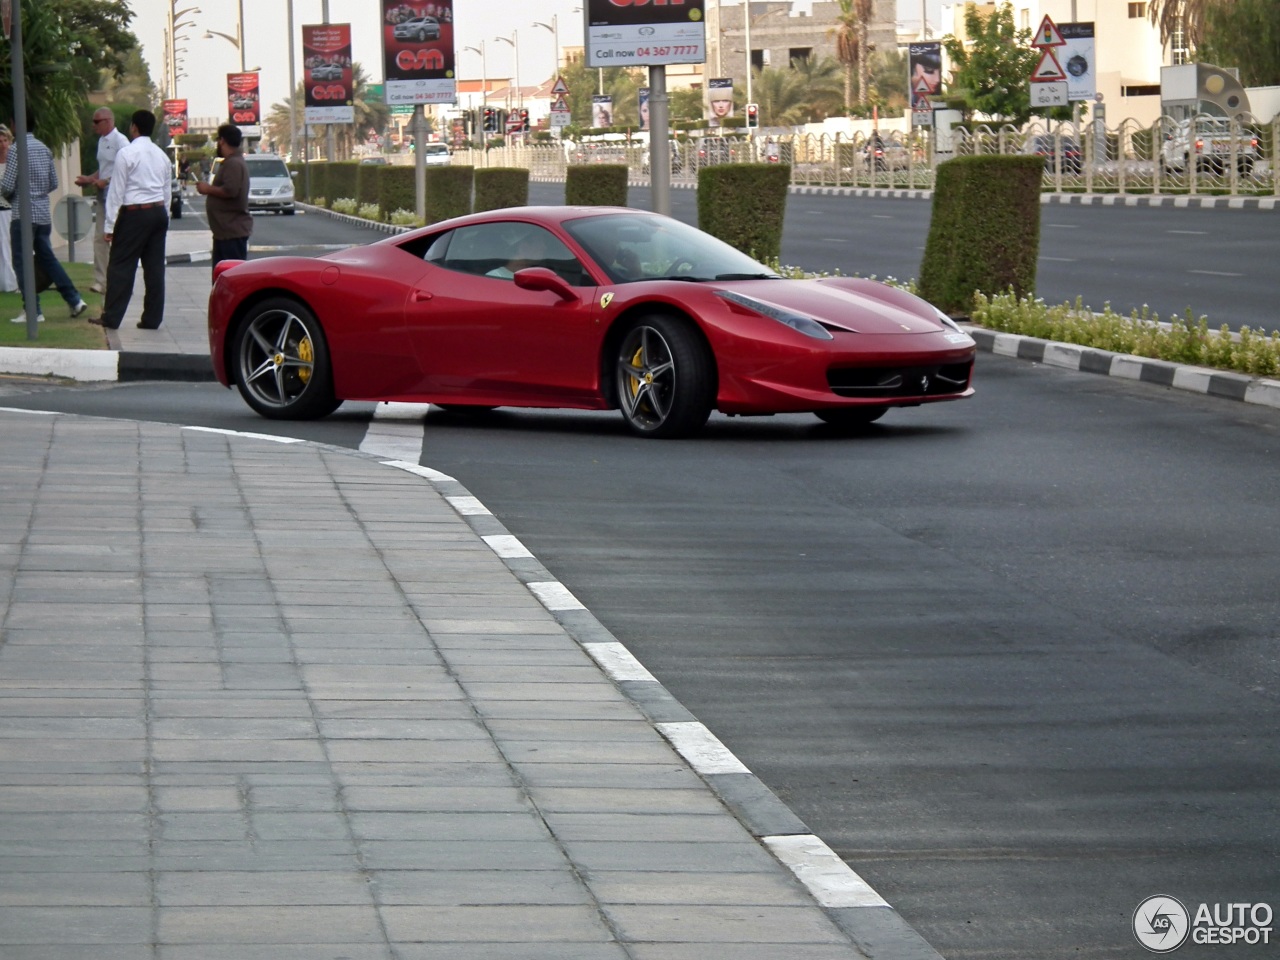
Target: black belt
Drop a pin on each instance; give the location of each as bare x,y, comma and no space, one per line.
141,206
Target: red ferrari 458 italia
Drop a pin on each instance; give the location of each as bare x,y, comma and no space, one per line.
588,307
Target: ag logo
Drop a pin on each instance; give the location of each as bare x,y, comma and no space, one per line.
1161,924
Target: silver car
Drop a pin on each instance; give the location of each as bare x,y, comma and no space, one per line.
421,29
326,71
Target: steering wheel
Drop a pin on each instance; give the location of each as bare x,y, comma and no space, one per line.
680,266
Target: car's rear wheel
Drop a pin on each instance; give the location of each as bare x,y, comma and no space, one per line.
281,362
848,418
665,378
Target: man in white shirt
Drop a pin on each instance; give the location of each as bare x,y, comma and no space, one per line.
136,225
110,142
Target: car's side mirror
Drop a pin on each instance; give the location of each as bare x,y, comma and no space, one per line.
540,278
294,174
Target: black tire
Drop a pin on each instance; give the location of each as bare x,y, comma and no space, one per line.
849,418
290,211
280,362
422,36
175,208
665,378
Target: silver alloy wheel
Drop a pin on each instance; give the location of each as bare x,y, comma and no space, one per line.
277,358
646,377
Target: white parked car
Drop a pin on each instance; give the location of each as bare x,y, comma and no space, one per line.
1211,142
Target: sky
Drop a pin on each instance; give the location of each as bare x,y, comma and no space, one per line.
208,61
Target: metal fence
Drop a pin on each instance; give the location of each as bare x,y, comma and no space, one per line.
1203,155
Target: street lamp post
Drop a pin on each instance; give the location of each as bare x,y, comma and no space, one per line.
175,24
234,41
554,27
514,40
484,95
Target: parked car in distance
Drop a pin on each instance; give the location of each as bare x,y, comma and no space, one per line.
436,154
270,183
1213,142
1059,152
714,150
374,161
421,29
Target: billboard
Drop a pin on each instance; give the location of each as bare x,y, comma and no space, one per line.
719,100
644,107
327,80
626,33
602,110
174,116
924,79
244,108
1077,58
417,52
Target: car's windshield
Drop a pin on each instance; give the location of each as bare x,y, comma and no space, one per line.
632,247
267,167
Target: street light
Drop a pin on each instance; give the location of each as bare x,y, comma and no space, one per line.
484,74
236,42
515,45
175,23
554,27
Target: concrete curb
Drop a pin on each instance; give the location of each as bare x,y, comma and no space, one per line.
1070,356
865,917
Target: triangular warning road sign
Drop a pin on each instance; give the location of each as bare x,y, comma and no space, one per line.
923,86
1048,34
1048,68
560,87
561,105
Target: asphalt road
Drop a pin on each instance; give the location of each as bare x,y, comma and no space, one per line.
1015,658
1217,262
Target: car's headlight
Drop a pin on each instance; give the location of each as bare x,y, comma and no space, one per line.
798,322
947,321
285,191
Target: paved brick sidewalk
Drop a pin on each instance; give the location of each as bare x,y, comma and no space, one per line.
280,700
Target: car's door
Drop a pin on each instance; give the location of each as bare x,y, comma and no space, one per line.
482,339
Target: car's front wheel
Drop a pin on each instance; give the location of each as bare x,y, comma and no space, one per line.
665,378
281,362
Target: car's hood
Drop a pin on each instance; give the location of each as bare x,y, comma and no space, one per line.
845,303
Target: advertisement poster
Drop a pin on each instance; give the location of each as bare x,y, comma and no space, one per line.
1077,59
644,34
924,79
327,80
175,116
243,106
417,52
644,108
719,99
602,111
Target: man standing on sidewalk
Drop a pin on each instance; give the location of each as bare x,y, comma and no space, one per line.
136,225
227,199
43,179
110,142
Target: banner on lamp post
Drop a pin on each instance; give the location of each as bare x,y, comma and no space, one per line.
244,106
328,79
175,116
417,53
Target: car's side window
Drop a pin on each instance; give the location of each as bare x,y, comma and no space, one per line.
500,249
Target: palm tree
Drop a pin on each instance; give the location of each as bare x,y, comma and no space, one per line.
821,82
1187,16
853,25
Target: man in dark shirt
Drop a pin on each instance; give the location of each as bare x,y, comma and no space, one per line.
227,199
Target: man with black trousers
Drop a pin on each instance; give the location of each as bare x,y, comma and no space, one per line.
227,199
136,225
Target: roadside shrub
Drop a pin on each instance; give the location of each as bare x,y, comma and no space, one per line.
985,232
405,218
345,205
1184,339
501,187
448,192
369,211
599,185
743,205
397,190
342,179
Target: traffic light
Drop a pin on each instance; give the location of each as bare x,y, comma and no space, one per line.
490,120
524,119
753,116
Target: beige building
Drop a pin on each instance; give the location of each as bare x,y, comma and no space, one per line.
782,31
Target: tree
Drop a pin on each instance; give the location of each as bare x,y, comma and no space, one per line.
1189,16
993,71
1244,34
853,48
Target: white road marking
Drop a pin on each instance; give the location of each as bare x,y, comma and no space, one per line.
243,433
1193,233
395,431
1060,259
830,880
701,748
1216,273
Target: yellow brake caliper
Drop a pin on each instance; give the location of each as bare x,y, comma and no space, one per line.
637,361
307,356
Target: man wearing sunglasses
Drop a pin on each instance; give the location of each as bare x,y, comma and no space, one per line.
110,142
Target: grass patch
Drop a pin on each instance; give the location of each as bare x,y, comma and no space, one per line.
59,330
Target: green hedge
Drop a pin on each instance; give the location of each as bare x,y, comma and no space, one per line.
448,191
314,171
743,205
396,190
985,232
367,176
342,180
499,187
602,185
